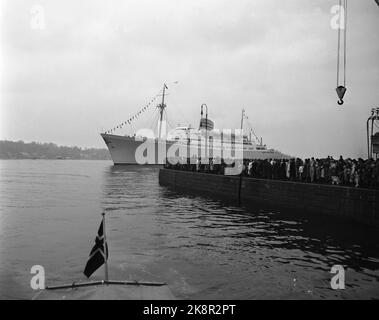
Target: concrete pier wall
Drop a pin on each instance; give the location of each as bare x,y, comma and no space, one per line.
354,203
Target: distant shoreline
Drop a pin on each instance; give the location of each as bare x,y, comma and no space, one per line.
52,159
14,150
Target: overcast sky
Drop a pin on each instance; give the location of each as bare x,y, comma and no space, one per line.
96,63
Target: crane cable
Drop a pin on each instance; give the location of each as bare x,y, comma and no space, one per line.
341,89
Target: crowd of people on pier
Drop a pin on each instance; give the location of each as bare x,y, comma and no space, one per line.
347,172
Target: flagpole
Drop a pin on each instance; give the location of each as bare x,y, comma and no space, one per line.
105,250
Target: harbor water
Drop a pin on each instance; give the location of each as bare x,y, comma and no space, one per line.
203,248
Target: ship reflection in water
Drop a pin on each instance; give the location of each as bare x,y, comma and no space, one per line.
203,248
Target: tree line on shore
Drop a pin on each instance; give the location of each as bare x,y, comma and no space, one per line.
36,150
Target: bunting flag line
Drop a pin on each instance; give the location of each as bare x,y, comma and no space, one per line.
130,120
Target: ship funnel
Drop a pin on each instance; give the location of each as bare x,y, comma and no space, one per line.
206,124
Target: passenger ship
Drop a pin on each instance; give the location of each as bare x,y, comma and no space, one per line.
204,142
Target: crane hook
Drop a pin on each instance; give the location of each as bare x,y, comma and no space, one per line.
341,90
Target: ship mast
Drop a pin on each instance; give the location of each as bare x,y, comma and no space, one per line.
243,116
206,129
161,107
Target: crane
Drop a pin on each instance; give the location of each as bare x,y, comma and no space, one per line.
341,51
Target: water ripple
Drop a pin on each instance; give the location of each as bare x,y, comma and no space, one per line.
204,248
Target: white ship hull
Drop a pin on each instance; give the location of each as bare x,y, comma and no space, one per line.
123,150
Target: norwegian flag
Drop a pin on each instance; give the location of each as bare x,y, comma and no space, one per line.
97,255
